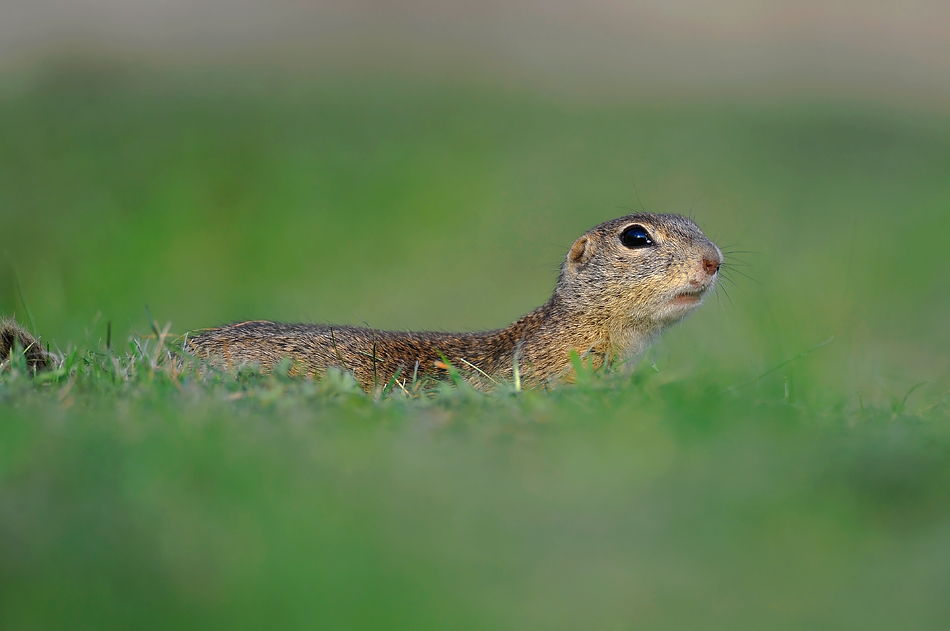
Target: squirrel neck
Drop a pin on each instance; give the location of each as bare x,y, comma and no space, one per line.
546,336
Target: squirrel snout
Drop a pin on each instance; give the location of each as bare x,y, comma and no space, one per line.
711,265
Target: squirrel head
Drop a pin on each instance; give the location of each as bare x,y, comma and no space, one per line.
632,276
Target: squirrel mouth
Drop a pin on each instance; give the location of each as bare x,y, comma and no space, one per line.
689,297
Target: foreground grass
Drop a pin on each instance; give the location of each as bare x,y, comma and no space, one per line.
136,497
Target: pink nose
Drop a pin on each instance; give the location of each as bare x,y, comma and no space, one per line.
711,266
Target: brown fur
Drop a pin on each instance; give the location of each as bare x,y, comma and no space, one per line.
12,334
609,303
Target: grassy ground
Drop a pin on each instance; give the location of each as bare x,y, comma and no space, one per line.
746,476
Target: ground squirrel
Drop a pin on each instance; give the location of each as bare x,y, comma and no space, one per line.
620,285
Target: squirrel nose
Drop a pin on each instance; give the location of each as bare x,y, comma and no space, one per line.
711,266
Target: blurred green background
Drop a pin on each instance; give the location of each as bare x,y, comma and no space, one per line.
427,165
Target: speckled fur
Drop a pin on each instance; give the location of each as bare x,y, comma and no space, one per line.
37,357
610,302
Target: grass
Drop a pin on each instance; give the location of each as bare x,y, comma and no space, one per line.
139,497
746,475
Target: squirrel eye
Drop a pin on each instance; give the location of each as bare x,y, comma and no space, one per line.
636,237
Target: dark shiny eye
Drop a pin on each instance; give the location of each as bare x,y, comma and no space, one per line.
636,237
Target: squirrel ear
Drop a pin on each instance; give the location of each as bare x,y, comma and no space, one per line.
580,253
